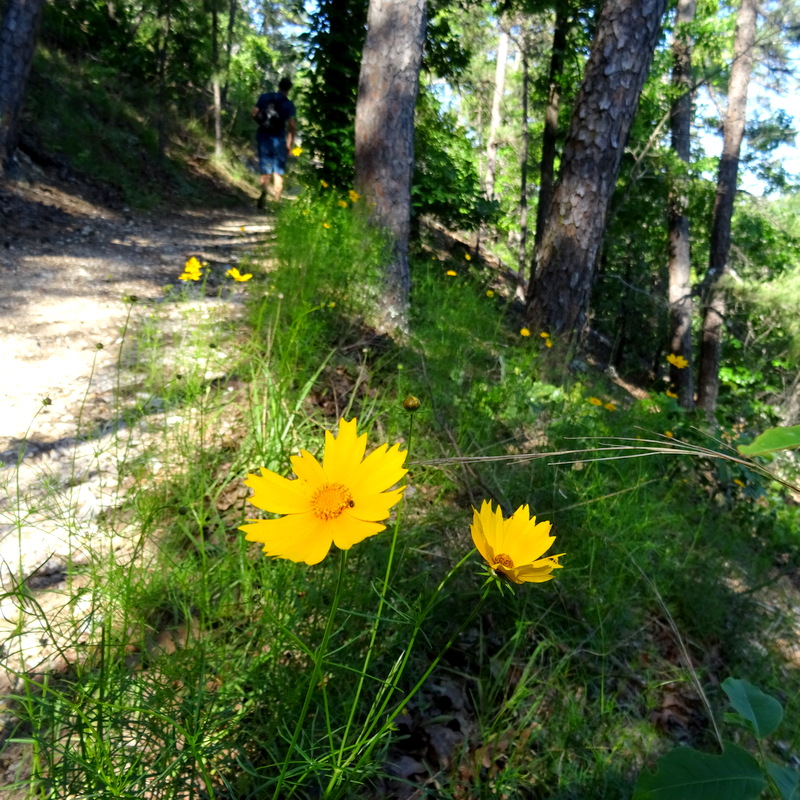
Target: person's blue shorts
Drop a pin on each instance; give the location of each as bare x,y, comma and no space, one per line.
272,154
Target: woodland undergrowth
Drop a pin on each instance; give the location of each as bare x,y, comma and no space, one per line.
196,666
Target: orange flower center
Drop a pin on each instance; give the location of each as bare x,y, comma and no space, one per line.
330,500
504,561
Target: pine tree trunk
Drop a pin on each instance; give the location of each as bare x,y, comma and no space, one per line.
680,286
713,292
523,167
384,136
560,287
17,45
550,133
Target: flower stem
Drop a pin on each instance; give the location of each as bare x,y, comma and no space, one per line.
319,659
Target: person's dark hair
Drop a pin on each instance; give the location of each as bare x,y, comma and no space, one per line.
284,85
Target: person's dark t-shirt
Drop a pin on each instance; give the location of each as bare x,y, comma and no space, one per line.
286,110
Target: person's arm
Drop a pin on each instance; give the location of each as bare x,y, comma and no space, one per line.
291,130
255,112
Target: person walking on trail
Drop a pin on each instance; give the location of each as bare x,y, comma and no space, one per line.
275,114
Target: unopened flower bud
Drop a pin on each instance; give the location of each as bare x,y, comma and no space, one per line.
411,403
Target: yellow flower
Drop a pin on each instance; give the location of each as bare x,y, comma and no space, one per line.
326,225
451,272
739,483
544,335
548,342
324,184
490,292
524,332
354,195
237,276
677,361
342,203
296,151
514,547
467,257
339,501
242,228
671,394
610,407
193,270
668,434
595,401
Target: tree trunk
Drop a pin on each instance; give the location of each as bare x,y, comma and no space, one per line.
713,292
215,89
384,140
560,286
494,122
523,167
17,45
680,286
550,133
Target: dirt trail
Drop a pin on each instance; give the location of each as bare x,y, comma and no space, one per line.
67,261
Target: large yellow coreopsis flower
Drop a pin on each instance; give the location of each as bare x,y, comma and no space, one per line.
514,547
677,361
339,501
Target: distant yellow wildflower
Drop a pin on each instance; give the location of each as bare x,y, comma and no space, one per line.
610,407
296,151
354,195
670,393
677,361
544,335
490,292
342,203
324,184
193,270
595,401
524,332
451,272
548,342
327,225
467,256
234,273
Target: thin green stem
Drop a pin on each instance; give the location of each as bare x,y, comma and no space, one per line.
319,659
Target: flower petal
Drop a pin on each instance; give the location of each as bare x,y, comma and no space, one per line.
374,507
272,492
298,537
309,470
381,469
348,531
343,454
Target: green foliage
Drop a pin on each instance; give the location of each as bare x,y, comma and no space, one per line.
688,774
771,441
446,185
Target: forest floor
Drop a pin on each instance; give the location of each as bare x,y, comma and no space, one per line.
69,258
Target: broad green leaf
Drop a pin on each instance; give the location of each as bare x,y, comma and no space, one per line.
787,780
760,709
688,774
771,441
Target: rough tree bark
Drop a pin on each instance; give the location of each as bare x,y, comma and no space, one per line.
384,136
680,286
17,45
550,133
560,286
712,290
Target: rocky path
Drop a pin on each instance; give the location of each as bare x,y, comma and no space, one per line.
67,265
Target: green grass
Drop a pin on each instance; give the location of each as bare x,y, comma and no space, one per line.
188,672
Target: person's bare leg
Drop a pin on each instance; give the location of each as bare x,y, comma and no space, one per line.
277,186
264,189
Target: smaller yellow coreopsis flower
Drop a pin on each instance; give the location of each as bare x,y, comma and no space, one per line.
192,270
524,332
324,184
326,225
354,195
671,394
342,203
514,547
677,361
451,272
234,273
296,151
548,342
595,401
544,335
467,257
610,407
490,292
